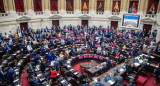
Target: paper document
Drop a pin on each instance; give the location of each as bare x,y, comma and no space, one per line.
111,82
136,64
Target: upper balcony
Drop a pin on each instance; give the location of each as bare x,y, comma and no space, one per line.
70,12
4,14
54,12
150,15
39,13
85,12
100,13
22,13
115,13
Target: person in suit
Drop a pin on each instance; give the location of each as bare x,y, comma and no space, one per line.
35,80
30,69
128,68
120,59
50,56
57,65
92,44
83,78
10,74
1,75
43,66
119,81
98,83
73,51
157,73
108,63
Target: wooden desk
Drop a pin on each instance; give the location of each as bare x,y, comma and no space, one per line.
108,72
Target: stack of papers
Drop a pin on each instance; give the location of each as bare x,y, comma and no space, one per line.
136,64
111,82
121,69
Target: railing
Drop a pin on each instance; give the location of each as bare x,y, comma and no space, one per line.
54,12
70,12
85,12
115,13
100,13
4,14
21,13
151,15
39,13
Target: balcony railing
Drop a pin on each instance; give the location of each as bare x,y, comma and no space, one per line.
70,12
4,14
21,13
39,13
151,15
85,12
100,13
115,13
54,12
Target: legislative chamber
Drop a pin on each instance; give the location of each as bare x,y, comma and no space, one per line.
79,42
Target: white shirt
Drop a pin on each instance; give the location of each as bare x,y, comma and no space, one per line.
29,48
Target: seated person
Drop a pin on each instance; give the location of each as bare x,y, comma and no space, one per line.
157,73
83,78
73,51
50,56
10,74
1,75
29,47
128,68
108,78
120,59
119,81
35,80
103,69
98,83
131,83
108,63
53,74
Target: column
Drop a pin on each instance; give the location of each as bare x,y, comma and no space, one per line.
25,6
5,5
105,5
92,5
46,5
30,5
142,5
59,5
108,5
125,5
10,5
62,5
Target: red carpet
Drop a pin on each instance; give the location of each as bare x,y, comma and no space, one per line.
150,82
77,66
25,80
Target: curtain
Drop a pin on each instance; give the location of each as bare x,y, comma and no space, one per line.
24,25
19,4
133,5
54,5
85,22
85,5
114,24
147,27
116,6
100,6
69,5
2,10
37,5
55,22
155,3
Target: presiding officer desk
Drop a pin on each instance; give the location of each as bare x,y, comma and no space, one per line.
121,70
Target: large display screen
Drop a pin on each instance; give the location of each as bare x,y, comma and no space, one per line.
131,21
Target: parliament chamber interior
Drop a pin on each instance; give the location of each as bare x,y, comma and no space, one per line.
79,43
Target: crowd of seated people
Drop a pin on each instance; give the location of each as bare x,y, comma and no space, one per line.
106,42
